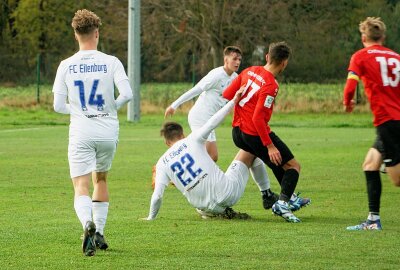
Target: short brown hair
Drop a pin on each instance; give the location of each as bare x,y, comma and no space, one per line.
232,49
171,131
85,22
278,52
373,28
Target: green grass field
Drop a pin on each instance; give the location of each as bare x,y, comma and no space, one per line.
39,228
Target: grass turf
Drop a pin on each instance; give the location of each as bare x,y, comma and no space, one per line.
39,228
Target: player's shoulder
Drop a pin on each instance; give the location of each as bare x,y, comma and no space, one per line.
216,72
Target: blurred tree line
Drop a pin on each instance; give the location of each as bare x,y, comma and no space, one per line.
185,37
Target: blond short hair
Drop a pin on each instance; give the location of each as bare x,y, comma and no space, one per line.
85,22
373,28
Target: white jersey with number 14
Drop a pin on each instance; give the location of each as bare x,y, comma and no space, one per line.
88,79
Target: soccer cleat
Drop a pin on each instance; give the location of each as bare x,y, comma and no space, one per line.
100,241
205,215
232,214
88,245
268,201
298,202
281,208
367,225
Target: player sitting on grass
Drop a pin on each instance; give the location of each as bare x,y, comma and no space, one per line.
188,165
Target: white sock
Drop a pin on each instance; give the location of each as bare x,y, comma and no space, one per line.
83,209
373,217
100,212
259,174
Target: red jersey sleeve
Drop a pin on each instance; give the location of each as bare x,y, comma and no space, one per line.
355,64
349,90
352,79
230,91
263,111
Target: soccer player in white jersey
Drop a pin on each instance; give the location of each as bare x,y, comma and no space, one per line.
86,80
188,165
210,89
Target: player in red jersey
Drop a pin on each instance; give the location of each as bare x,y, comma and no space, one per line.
252,133
379,69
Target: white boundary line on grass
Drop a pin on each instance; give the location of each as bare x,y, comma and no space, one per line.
23,129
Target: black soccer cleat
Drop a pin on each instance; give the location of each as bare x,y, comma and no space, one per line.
88,245
100,241
268,201
232,214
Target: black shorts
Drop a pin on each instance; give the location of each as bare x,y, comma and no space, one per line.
254,145
378,145
388,135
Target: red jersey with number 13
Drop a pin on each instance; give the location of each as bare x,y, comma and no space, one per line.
253,111
379,69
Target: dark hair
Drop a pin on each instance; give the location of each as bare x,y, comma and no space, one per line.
171,131
232,49
278,52
85,22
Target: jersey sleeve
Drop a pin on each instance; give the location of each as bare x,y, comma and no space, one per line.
193,92
263,111
230,91
119,72
354,65
350,88
161,182
206,83
125,93
60,104
59,86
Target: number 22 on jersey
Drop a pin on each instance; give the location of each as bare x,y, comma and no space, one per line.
185,164
93,98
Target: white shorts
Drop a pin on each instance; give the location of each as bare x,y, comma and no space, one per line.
231,190
87,156
211,138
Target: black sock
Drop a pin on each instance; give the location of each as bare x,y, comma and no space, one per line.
289,183
374,189
279,172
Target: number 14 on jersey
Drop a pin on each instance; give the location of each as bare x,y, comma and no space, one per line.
94,99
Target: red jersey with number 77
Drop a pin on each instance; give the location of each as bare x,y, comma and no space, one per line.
254,109
379,69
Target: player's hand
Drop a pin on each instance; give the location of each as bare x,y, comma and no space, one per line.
169,112
349,107
238,94
274,154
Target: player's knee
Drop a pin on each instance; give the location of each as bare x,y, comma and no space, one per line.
292,164
370,166
396,181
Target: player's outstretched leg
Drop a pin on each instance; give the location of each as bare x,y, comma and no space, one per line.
88,245
296,202
281,208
